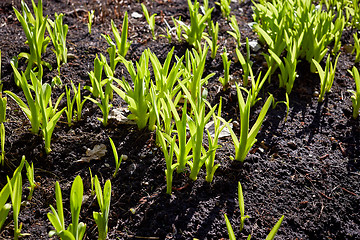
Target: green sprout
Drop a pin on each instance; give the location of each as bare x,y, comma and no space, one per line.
58,31
224,7
195,32
91,15
356,47
247,139
15,189
327,76
355,98
213,43
75,230
235,33
31,177
150,20
34,28
102,218
245,63
170,166
226,63
116,157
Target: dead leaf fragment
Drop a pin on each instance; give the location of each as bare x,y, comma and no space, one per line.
95,154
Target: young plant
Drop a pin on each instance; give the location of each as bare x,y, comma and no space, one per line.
356,47
326,76
58,31
116,156
226,63
224,7
4,207
257,85
121,41
182,146
75,230
195,32
213,145
170,167
31,177
150,20
245,63
15,189
3,103
101,218
247,139
95,78
91,15
355,98
34,28
178,28
138,96
197,125
79,103
103,103
91,182
6,192
213,43
70,105
235,33
287,104
270,236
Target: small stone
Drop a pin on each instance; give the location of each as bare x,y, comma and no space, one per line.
292,145
136,15
254,45
124,157
106,165
316,94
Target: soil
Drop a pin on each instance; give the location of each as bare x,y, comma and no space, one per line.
305,168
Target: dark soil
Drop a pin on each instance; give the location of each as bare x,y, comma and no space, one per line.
306,168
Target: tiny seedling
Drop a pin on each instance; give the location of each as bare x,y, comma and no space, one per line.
91,15
75,230
235,33
355,98
226,63
213,42
327,76
31,177
150,20
224,7
116,157
102,218
245,63
247,138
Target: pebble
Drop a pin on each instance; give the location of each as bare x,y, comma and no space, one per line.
254,45
316,94
124,157
136,15
106,165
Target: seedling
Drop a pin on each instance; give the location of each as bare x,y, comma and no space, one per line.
75,230
355,98
226,63
235,33
58,31
213,43
195,32
224,7
326,76
247,139
356,47
31,177
178,27
270,236
150,20
101,218
34,28
170,166
91,15
245,63
15,189
116,157
70,105
138,96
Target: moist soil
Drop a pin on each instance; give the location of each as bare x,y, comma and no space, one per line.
305,167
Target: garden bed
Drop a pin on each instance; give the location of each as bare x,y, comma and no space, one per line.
305,168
